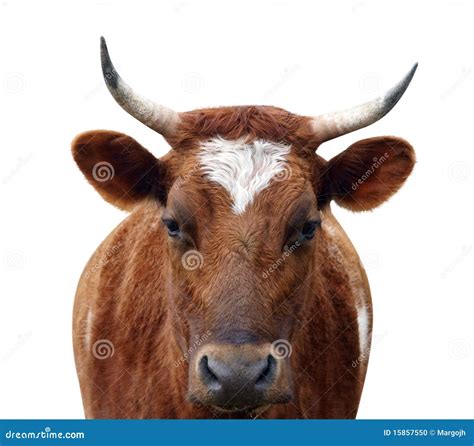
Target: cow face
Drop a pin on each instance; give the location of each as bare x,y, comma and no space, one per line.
241,199
242,221
239,259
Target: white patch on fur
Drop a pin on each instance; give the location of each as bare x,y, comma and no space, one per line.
88,330
355,282
363,323
243,169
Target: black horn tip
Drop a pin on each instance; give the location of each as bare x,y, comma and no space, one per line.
409,76
394,95
413,69
111,77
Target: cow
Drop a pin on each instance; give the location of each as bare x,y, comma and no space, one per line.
230,290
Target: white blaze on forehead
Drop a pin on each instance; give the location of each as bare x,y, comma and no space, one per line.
243,169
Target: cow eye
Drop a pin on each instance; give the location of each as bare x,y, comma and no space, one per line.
172,226
309,228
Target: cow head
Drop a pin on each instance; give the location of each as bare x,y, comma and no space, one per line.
241,197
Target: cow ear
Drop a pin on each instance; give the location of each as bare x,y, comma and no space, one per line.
119,168
368,173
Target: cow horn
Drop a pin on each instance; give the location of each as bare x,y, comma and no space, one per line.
332,125
158,117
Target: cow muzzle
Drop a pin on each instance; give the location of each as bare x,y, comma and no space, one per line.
239,377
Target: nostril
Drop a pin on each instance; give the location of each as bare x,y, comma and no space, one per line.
267,375
207,375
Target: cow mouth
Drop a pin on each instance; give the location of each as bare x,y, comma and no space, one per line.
235,410
239,411
242,412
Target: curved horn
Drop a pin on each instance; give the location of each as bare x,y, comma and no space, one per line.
332,125
158,117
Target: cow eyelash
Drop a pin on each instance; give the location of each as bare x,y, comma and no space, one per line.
172,226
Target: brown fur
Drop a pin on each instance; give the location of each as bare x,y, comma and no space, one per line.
153,310
251,122
387,160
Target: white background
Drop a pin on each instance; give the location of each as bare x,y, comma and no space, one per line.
308,57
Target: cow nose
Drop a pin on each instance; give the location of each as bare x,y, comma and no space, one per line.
235,375
236,378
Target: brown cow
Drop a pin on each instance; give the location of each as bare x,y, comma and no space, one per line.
230,290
